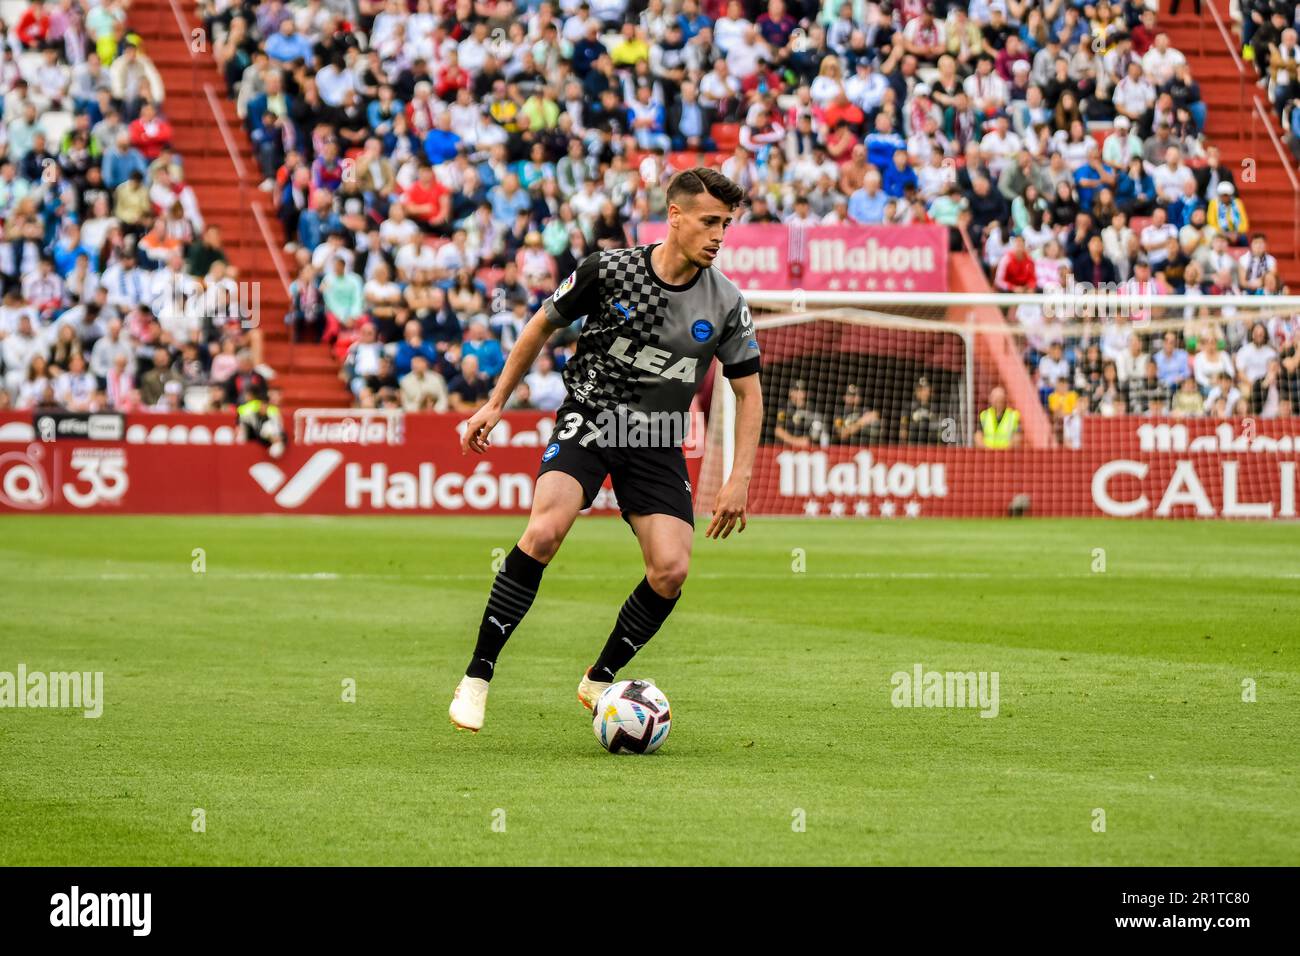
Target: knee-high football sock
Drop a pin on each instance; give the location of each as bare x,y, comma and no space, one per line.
512,595
640,618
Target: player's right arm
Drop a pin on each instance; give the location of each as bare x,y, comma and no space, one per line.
575,297
526,349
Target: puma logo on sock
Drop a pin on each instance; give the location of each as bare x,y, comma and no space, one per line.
499,624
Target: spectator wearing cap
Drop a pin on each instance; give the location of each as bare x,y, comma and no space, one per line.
797,424
1121,144
854,423
919,424
866,87
1226,215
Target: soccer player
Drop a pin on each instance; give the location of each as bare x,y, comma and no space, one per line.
656,317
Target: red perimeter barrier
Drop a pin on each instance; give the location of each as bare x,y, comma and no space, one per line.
192,464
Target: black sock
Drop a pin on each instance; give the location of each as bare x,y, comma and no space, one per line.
640,618
512,595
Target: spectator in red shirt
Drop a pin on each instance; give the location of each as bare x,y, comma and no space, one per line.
843,109
1144,34
451,79
1016,272
33,25
428,201
150,133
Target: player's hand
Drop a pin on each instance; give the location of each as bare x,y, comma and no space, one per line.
729,510
477,429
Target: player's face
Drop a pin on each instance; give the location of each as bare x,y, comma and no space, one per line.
701,224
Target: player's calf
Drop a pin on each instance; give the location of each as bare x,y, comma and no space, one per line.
512,595
640,618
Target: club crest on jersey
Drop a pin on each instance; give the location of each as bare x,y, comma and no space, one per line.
566,285
702,330
552,450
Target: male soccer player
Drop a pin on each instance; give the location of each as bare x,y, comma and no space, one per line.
656,316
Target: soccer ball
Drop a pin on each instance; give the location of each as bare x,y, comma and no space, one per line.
631,717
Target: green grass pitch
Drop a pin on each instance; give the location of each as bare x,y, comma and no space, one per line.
1120,690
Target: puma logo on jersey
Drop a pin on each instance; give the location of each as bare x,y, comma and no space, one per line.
499,624
623,311
653,360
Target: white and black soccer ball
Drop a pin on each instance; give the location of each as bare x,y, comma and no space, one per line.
632,717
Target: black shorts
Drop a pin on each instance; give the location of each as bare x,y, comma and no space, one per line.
646,480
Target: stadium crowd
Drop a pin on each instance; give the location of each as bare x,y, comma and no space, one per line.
114,293
439,165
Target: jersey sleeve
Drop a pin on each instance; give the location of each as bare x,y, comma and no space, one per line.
738,346
576,296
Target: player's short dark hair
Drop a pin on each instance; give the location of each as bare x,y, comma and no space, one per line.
690,183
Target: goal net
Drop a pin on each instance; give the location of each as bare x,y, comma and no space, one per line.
1066,404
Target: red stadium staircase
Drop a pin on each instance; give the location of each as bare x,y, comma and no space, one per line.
219,165
1243,125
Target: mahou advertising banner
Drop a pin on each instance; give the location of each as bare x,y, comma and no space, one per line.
348,463
830,258
1126,467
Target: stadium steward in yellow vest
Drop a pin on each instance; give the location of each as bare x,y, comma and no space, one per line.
999,425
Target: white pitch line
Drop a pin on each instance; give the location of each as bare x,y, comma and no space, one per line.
332,576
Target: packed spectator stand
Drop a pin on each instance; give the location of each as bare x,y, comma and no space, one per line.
438,167
116,294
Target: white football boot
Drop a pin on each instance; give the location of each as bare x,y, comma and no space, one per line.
469,704
589,690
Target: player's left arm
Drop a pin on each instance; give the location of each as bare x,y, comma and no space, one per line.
738,352
733,496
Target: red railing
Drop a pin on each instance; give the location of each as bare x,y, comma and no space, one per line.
1252,102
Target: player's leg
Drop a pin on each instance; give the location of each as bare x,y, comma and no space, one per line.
655,496
570,476
556,502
